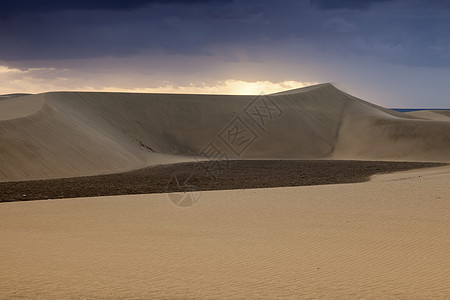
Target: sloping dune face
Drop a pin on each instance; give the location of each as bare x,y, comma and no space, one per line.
74,134
373,135
437,115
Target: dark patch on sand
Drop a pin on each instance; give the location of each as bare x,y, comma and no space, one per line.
237,174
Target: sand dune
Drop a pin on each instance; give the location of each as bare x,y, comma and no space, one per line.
13,107
437,115
387,238
7,96
384,239
65,134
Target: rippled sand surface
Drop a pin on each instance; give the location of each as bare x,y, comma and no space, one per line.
383,239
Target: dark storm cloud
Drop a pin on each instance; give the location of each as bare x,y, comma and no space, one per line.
13,7
406,32
83,29
345,4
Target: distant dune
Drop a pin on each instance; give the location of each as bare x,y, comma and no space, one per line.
437,115
66,134
5,96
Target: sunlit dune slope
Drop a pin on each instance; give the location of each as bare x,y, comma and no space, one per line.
64,134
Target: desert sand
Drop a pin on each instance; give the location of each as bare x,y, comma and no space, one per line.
437,115
387,238
383,239
66,134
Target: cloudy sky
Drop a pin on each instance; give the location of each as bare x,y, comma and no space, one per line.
395,53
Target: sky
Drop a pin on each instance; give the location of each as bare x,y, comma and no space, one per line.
395,53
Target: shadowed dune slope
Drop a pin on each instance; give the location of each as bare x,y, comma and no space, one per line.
65,134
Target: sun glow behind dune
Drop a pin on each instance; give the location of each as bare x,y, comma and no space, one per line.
230,86
39,80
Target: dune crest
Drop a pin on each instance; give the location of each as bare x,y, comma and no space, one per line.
66,134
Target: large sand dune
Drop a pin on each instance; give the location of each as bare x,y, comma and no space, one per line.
65,134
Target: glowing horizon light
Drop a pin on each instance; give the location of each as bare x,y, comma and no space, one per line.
230,86
41,80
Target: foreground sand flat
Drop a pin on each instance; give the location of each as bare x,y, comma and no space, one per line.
383,239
